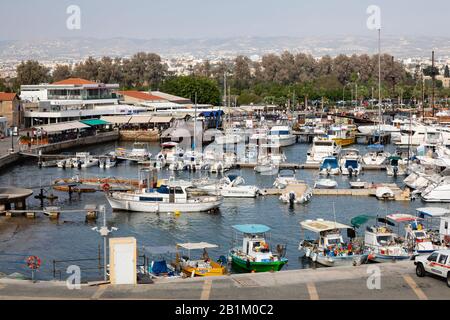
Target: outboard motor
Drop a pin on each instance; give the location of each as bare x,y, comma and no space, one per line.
291,198
350,171
395,171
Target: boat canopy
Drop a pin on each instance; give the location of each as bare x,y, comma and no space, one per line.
197,246
251,228
376,147
322,225
358,221
401,217
395,158
432,212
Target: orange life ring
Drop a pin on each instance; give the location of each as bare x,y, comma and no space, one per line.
106,187
33,262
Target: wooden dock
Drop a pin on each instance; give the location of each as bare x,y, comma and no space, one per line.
304,166
399,194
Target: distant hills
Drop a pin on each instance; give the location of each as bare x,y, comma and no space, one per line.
67,49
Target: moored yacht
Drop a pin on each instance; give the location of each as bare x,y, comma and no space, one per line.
281,135
322,147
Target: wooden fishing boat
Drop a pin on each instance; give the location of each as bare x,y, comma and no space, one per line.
204,267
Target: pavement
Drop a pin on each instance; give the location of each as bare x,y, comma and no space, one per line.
397,282
5,145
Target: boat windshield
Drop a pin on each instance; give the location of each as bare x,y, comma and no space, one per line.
420,234
383,240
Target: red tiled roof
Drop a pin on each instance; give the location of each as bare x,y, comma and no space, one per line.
140,95
7,96
74,81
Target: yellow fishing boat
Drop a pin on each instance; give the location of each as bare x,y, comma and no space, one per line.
342,135
203,267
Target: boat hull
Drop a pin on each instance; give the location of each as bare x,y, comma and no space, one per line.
244,266
139,206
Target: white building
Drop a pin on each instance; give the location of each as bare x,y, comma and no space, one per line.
71,99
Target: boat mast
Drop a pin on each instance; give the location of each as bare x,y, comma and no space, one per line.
195,123
379,80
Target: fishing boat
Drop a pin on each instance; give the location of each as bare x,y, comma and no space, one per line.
281,135
325,184
322,147
204,267
350,162
329,248
380,242
255,254
285,177
329,166
172,196
160,266
416,237
376,156
342,135
231,186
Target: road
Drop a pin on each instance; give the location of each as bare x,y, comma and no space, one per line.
398,281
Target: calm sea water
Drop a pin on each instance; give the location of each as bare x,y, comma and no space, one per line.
72,238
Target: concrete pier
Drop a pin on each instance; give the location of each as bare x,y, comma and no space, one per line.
398,282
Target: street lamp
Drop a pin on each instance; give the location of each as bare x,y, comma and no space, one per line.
104,232
12,139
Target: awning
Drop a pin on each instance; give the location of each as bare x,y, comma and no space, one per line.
197,246
251,228
322,225
161,119
116,119
95,122
140,119
432,212
63,126
401,217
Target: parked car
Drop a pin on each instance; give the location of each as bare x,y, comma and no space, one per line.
437,263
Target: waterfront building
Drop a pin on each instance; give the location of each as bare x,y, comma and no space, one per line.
71,99
10,108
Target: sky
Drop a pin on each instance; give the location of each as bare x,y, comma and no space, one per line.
147,19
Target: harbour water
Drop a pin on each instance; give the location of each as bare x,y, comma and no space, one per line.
72,238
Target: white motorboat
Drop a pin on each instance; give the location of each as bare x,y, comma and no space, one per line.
325,184
329,166
358,184
139,152
330,249
231,186
350,162
285,177
216,167
171,152
281,135
437,191
107,163
376,156
322,147
267,167
172,197
297,195
65,163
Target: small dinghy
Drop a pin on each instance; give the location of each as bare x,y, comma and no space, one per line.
384,193
358,184
325,184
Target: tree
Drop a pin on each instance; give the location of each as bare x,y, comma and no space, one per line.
144,70
186,86
87,70
32,72
446,72
241,72
428,71
61,72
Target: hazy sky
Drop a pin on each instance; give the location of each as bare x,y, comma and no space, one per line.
145,19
